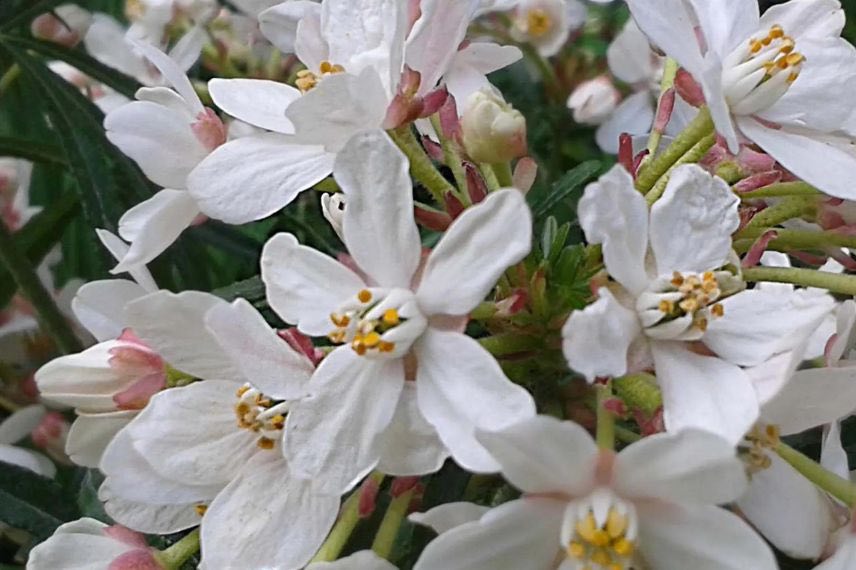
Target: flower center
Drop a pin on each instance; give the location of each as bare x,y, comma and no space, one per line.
538,22
762,439
307,80
760,71
378,322
260,415
600,540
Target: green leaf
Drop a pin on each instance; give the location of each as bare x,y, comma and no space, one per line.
569,183
31,150
32,502
27,12
80,60
252,289
87,496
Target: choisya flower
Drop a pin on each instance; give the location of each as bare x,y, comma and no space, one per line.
210,451
362,411
671,295
546,24
653,505
16,427
354,53
781,80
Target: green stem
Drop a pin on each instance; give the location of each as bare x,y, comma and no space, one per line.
833,282
639,392
838,487
391,523
548,74
489,176
174,556
782,189
625,435
788,208
52,319
503,173
694,154
421,166
483,310
670,70
348,519
788,240
510,343
605,418
9,78
699,128
328,185
453,160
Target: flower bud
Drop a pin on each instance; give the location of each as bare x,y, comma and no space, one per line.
593,101
66,25
493,131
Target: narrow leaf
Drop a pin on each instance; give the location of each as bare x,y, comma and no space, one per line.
32,151
565,187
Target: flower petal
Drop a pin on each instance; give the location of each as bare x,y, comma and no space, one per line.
614,214
461,388
267,361
100,306
331,436
279,23
90,434
303,285
703,392
362,559
811,398
691,225
630,57
19,425
253,177
172,73
596,339
726,23
434,39
806,18
474,252
147,518
544,455
445,517
259,102
119,249
28,459
76,551
669,26
84,380
633,116
378,224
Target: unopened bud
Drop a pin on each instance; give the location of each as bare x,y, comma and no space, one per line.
66,25
593,101
493,131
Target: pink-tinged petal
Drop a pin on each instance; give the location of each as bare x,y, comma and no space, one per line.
701,538
90,434
475,251
704,392
259,102
100,306
844,558
285,519
614,214
126,536
140,559
253,177
461,388
331,436
433,42
544,455
74,550
378,224
279,23
137,395
811,398
303,285
518,534
448,516
691,225
691,466
788,510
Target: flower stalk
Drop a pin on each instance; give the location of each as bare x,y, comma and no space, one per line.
421,166
391,523
790,207
694,154
177,554
670,70
840,488
348,519
832,282
605,419
453,160
782,189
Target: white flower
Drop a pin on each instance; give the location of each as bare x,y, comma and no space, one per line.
782,80
593,101
668,301
16,427
362,411
167,132
88,543
186,450
546,24
584,508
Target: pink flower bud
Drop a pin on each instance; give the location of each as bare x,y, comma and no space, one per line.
688,88
51,432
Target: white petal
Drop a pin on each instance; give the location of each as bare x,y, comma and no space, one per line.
76,551
669,25
158,139
474,252
788,510
172,73
83,380
614,214
703,392
331,436
516,535
154,225
189,434
279,23
28,459
544,455
727,23
378,223
266,518
187,49
150,519
19,425
433,41
310,46
692,223
833,456
266,361
259,102
410,445
105,41
751,328
806,18
633,116
174,326
596,339
119,249
253,177
811,398
701,538
362,560
100,306
444,518
629,55
691,466
90,434
461,388
303,285
167,98
487,57
819,162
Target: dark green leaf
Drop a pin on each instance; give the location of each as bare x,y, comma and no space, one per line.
32,502
31,150
87,496
569,183
252,289
548,234
27,12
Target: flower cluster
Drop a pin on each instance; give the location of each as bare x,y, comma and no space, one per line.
640,400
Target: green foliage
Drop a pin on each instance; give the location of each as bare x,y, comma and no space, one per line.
32,502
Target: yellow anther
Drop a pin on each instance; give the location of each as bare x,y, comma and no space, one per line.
616,566
689,305
278,421
793,77
717,310
340,320
794,59
700,324
359,347
622,547
777,32
782,63
755,46
586,528
600,537
708,277
788,45
265,443
666,306
576,550
242,390
390,317
677,279
616,523
384,346
364,295
242,409
767,41
337,336
200,509
371,340
538,22
601,557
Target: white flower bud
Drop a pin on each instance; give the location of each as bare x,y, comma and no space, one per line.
593,101
492,130
66,25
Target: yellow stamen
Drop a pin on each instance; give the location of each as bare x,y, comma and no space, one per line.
242,390
576,550
616,524
538,22
623,547
777,32
265,443
364,295
200,509
601,557
390,317
717,310
384,346
586,527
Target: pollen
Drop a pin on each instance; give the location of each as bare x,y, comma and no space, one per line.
605,547
307,79
200,509
538,22
364,295
384,346
717,310
265,443
390,317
